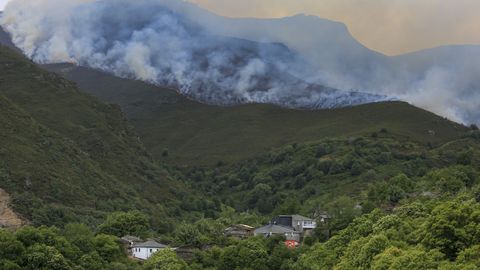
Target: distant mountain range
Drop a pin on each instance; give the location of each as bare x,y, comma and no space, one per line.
445,80
299,61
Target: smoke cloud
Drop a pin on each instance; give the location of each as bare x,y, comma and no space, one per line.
151,40
297,61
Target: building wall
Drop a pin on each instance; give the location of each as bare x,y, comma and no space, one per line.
143,253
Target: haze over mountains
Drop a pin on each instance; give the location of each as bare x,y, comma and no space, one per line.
298,61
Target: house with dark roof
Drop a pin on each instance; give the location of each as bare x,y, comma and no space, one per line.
293,227
273,229
144,250
301,224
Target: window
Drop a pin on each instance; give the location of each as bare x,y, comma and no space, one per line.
151,250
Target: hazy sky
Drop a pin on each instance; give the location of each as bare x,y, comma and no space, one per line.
388,26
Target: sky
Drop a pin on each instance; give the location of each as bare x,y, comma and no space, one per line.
388,26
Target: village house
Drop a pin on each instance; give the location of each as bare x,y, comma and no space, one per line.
144,250
128,242
240,231
293,227
273,229
300,224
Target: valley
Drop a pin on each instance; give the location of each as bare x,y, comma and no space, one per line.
157,135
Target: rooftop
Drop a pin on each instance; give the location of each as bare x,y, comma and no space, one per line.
242,226
273,228
296,217
150,244
131,238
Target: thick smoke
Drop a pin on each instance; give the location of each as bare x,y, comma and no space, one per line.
155,41
228,61
444,80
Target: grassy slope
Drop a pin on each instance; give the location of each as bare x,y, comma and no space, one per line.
199,134
62,146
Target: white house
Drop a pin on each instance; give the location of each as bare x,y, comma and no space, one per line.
144,250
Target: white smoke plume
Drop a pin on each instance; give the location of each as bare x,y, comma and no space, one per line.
153,41
444,80
228,61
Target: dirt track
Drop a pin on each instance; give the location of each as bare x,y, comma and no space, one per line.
8,218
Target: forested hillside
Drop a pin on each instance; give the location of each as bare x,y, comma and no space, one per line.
188,133
393,204
66,156
400,185
320,176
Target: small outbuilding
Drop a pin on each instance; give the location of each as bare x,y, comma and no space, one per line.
241,231
144,250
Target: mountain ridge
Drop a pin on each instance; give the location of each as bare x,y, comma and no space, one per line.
160,125
201,134
327,57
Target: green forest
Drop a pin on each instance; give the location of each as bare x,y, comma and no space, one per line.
398,196
394,205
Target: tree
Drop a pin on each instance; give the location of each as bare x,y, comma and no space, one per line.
107,247
248,254
360,253
357,168
188,234
452,227
92,261
336,168
42,257
452,179
10,248
259,197
125,223
51,236
469,258
9,265
317,258
30,235
79,235
343,211
281,256
290,205
165,259
394,258
404,182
